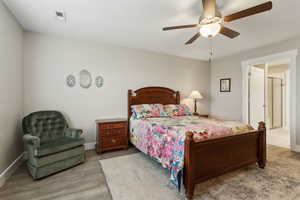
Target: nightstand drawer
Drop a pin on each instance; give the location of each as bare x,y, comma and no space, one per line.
105,126
112,132
113,125
119,125
120,131
108,142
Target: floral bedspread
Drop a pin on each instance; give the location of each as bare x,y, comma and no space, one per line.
163,138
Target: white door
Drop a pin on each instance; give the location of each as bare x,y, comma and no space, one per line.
256,96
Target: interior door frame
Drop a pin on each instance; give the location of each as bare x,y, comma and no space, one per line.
246,65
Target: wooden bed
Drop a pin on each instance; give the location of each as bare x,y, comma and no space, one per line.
210,158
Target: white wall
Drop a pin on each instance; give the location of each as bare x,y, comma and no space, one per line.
11,88
48,60
229,105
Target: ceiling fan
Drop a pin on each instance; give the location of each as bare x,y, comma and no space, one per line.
211,21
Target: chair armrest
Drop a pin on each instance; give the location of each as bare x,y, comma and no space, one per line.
73,133
31,140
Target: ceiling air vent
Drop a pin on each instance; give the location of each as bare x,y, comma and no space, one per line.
61,16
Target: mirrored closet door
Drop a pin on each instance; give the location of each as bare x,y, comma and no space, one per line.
275,102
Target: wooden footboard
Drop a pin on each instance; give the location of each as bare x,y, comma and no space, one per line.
211,158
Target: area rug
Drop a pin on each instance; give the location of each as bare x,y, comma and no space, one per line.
137,177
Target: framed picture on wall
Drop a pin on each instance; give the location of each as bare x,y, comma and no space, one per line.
225,85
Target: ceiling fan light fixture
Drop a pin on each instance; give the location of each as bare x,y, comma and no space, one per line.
210,30
211,21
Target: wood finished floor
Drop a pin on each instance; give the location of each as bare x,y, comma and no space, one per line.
83,182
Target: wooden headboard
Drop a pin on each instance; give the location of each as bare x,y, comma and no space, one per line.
152,95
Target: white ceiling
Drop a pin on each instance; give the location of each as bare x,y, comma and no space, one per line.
138,23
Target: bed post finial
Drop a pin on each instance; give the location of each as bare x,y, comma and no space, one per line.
262,126
129,104
189,136
177,97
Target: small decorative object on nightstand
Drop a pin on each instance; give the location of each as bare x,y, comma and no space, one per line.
196,95
111,134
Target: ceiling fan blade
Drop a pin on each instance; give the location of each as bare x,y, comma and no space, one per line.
180,27
209,8
195,37
250,11
229,32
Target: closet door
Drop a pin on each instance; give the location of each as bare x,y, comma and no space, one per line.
277,103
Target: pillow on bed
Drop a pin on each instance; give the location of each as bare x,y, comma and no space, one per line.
177,110
148,110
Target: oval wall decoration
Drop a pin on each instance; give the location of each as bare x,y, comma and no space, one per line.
85,79
71,80
99,81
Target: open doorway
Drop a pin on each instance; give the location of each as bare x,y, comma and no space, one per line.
269,99
269,88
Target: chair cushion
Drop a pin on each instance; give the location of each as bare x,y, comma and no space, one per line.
58,145
40,172
52,158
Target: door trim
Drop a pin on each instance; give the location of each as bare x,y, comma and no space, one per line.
246,65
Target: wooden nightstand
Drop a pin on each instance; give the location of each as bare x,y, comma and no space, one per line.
111,134
205,116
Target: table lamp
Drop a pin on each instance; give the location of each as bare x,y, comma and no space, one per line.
196,95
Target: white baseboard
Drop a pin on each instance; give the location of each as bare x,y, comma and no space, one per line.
89,146
10,169
296,148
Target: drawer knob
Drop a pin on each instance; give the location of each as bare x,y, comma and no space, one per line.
113,141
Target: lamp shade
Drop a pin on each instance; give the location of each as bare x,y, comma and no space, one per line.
196,95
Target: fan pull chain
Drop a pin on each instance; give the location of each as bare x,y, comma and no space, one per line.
211,53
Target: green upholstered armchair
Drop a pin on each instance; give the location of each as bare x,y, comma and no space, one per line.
51,146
